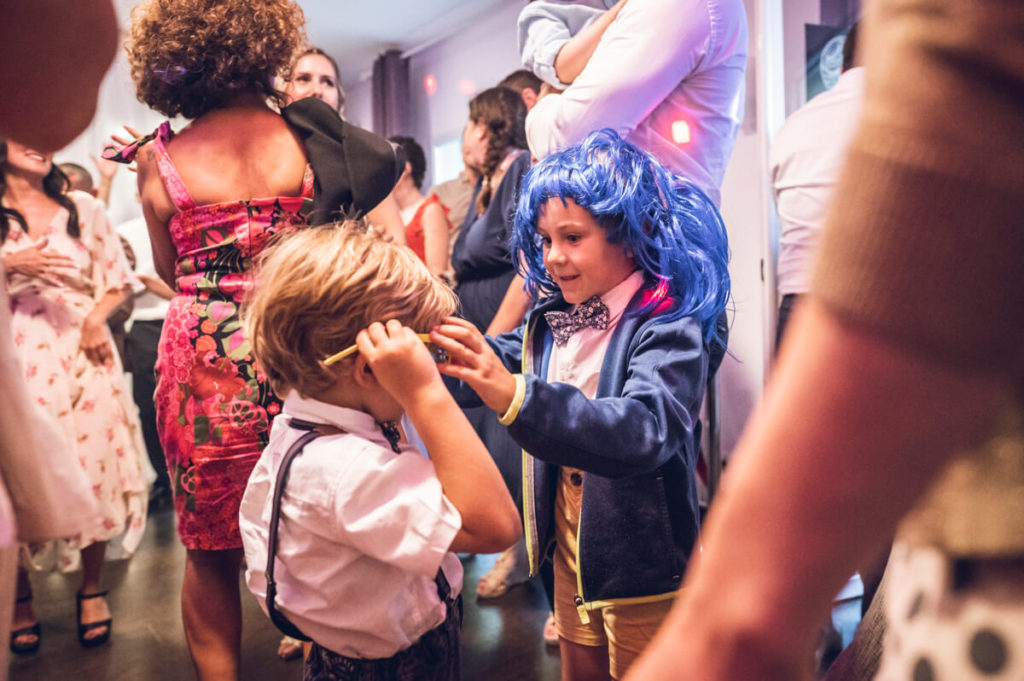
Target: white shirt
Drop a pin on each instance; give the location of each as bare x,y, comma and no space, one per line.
806,158
148,306
363,531
579,361
664,70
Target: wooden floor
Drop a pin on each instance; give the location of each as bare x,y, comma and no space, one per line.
501,638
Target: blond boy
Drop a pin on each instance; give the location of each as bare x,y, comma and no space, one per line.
367,527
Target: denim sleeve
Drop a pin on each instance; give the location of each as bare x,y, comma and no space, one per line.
542,29
649,422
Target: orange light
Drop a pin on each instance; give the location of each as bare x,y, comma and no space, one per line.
680,132
430,84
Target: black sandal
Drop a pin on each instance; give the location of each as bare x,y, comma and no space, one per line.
84,629
33,630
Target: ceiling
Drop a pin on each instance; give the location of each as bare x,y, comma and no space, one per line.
355,31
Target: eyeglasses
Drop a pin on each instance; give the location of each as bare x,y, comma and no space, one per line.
439,354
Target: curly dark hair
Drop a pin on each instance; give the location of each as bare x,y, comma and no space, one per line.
414,155
190,56
55,186
503,113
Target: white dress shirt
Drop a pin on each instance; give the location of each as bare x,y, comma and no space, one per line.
806,157
363,531
669,76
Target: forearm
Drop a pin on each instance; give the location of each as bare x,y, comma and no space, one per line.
852,431
512,310
108,303
103,189
575,54
386,216
468,475
157,286
435,241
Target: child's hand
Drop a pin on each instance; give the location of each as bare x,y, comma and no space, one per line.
399,360
473,361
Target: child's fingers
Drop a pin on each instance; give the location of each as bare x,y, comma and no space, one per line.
459,321
365,345
456,371
376,333
458,352
469,337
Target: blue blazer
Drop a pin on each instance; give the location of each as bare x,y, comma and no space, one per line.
637,443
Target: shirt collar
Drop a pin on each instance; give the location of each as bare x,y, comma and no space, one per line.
617,298
352,421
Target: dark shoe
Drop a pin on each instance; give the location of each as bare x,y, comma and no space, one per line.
33,630
84,629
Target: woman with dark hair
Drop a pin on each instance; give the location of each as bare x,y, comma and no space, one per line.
65,273
213,195
494,144
425,217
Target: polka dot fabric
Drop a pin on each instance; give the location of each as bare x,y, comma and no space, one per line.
951,620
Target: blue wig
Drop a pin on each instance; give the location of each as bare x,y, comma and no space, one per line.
670,227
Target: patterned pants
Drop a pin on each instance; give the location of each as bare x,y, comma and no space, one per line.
435,657
953,620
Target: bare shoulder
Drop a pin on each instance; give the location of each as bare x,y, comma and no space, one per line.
239,153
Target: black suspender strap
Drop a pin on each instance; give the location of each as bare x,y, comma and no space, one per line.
278,618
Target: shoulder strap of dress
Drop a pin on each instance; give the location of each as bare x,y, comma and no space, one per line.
168,172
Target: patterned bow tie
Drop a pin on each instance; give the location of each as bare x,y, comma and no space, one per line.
592,313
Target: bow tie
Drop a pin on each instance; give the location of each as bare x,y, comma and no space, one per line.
592,313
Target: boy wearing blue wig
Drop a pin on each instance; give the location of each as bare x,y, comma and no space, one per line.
602,386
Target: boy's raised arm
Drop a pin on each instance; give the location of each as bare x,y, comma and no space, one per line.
470,479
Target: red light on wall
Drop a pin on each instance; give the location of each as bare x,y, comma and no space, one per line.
467,86
680,132
430,84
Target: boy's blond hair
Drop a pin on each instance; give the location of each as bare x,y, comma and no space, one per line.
317,288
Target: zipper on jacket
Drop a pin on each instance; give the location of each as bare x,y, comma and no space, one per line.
581,605
529,519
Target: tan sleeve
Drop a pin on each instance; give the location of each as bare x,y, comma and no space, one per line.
925,243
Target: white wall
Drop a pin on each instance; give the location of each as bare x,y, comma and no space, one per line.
462,66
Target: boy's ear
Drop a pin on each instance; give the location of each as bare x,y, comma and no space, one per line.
362,374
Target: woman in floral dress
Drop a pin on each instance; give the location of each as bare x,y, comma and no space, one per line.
213,195
65,273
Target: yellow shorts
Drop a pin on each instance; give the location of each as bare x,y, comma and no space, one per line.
624,629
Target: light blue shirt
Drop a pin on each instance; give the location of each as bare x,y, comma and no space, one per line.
544,27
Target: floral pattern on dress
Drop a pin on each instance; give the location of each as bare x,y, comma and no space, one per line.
91,402
214,406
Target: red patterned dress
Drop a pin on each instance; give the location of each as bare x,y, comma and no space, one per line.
213,405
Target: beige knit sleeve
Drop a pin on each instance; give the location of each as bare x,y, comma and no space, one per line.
925,243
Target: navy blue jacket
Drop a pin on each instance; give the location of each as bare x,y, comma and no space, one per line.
636,442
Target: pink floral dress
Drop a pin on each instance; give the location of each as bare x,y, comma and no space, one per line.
213,405
91,402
